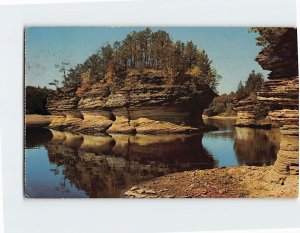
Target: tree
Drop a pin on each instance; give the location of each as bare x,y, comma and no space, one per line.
144,51
63,68
36,100
254,82
241,91
55,83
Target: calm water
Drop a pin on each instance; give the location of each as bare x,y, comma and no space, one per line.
60,164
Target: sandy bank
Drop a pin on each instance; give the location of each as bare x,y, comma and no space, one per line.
231,182
35,120
218,117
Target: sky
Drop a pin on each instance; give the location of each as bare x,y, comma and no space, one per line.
232,50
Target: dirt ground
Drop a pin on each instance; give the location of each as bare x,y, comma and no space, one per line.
231,182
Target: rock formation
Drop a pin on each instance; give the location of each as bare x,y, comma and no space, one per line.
280,96
147,106
251,113
62,104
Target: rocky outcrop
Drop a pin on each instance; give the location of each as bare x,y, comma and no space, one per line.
251,113
122,125
146,105
280,95
287,162
62,104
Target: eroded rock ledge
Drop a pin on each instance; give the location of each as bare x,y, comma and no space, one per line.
144,108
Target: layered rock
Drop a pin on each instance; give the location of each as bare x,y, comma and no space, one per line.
287,162
144,105
62,104
250,113
280,95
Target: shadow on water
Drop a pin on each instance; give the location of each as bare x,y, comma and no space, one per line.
61,164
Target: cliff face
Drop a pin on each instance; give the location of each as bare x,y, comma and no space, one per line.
251,113
278,99
282,96
144,105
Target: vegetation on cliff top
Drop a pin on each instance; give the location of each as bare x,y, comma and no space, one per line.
279,52
142,51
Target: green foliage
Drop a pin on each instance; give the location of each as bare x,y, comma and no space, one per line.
241,91
36,99
254,82
142,50
224,104
252,85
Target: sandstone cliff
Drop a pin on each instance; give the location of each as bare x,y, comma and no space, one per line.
278,102
146,105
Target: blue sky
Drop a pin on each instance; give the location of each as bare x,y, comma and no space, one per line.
232,50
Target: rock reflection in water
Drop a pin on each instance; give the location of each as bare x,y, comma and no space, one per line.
256,147
233,146
104,166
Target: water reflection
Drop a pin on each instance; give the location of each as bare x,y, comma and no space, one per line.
241,146
256,146
61,164
105,166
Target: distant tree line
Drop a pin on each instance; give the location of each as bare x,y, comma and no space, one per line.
224,104
139,51
36,99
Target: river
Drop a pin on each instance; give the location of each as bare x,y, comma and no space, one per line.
65,165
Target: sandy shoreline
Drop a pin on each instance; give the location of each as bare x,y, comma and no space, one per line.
231,182
218,117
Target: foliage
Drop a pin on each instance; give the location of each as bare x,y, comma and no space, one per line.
252,85
279,48
224,104
54,83
36,99
141,50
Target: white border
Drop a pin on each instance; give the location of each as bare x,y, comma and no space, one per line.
118,215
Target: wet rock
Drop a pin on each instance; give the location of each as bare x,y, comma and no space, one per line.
121,125
147,126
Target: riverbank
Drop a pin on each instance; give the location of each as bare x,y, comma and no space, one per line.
121,125
231,182
219,117
35,120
